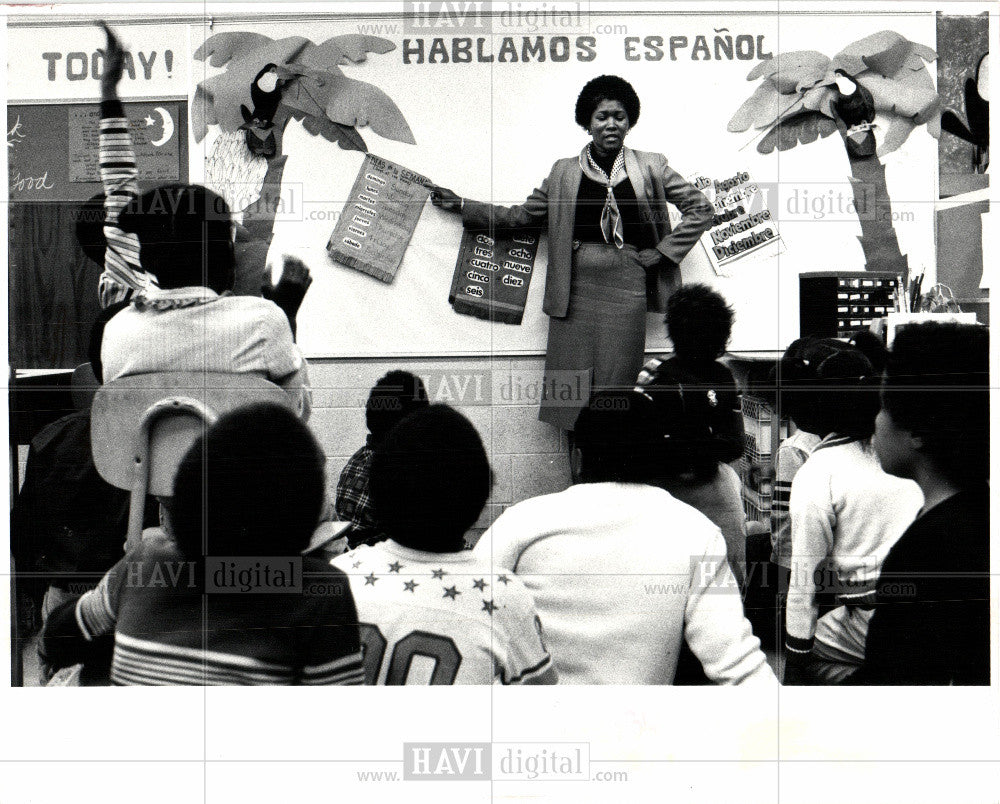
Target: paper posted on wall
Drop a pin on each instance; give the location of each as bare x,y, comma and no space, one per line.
743,224
379,217
493,274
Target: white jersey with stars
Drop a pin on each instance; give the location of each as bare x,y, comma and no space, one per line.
443,618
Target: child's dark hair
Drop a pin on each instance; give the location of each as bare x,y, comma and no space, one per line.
602,88
253,484
796,381
872,347
936,387
826,386
392,399
699,322
430,479
619,438
185,236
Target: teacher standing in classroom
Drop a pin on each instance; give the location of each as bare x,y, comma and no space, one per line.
613,254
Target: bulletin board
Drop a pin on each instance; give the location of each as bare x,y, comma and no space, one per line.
491,108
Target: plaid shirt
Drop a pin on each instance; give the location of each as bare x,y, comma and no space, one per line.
354,500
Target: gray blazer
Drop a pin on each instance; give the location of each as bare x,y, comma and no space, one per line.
555,203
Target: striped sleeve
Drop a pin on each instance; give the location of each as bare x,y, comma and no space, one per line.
345,671
330,650
97,610
123,273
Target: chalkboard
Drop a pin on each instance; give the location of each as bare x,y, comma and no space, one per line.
52,148
52,153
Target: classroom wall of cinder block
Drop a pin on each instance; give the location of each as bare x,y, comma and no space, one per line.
499,396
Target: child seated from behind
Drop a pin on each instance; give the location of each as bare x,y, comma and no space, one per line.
191,322
932,609
796,372
699,323
248,493
393,397
846,514
431,611
692,473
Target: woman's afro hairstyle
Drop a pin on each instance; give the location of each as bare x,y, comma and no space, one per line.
602,88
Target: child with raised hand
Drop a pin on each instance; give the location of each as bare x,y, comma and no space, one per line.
699,322
192,322
846,514
248,492
118,250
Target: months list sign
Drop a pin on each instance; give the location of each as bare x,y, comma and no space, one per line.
378,221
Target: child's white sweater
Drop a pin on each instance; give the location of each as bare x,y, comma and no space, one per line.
621,574
846,514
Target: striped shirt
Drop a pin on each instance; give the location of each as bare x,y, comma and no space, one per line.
792,454
169,632
123,274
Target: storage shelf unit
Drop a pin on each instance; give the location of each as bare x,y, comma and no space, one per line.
839,304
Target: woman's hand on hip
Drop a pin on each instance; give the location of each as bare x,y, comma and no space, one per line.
446,199
649,257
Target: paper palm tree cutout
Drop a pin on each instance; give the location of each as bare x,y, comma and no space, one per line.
265,84
799,101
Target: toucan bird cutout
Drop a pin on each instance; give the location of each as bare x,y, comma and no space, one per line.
855,107
265,92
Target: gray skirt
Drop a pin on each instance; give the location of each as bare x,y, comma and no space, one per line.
601,340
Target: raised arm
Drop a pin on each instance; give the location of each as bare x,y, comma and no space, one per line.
123,274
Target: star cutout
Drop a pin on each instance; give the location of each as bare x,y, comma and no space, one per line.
438,573
395,566
480,584
370,579
410,586
451,591
355,565
489,607
503,579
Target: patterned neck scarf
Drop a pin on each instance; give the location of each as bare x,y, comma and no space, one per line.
611,219
175,298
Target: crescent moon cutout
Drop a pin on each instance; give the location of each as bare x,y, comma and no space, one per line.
168,126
